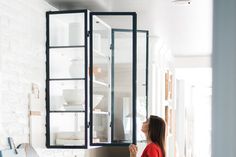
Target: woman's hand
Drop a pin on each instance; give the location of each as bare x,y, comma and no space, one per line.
133,149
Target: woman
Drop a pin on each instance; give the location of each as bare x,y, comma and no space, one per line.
154,129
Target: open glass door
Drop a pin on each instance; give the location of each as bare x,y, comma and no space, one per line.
112,71
119,39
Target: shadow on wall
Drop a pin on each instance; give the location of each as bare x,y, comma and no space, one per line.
108,152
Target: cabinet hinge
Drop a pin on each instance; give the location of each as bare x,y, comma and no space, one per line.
88,33
111,47
89,124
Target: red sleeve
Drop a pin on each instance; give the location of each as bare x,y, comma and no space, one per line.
153,152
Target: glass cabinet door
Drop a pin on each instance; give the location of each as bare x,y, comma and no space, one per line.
142,80
66,79
112,79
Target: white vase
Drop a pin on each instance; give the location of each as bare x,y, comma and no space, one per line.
76,68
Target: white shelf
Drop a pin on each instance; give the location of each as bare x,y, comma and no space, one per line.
100,83
74,107
101,112
70,142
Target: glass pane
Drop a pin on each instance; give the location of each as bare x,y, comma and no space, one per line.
67,95
101,81
67,63
66,29
101,127
67,129
141,83
123,87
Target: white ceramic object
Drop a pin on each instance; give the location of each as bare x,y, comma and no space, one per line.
96,100
76,68
73,96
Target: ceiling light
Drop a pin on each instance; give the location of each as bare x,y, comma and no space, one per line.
181,2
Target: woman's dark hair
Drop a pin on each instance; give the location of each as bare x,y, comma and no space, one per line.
157,131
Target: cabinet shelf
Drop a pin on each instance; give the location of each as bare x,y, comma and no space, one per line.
65,79
64,111
101,113
62,47
101,83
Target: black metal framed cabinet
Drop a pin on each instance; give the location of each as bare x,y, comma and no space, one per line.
91,79
66,79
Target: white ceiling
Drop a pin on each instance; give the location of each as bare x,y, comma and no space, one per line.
185,28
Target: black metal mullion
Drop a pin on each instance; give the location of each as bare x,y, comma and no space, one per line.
147,71
112,84
129,30
67,147
47,83
66,79
114,13
134,141
67,11
91,76
62,47
75,111
86,77
110,144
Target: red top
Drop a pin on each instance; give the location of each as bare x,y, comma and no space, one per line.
152,150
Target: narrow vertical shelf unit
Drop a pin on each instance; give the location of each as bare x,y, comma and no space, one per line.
93,79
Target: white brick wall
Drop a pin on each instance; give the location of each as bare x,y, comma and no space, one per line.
22,62
22,53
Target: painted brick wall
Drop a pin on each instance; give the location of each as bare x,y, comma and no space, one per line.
22,53
22,62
